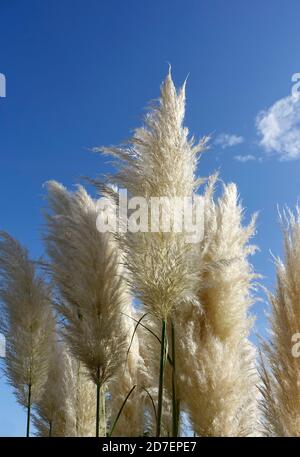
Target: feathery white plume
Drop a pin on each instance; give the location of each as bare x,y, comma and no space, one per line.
26,321
86,266
52,412
216,358
160,161
280,369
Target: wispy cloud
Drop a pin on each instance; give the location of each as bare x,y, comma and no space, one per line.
279,128
227,140
244,158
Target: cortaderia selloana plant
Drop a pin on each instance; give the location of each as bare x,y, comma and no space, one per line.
158,163
280,388
26,321
86,267
143,325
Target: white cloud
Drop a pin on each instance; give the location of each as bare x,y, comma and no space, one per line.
245,158
279,128
226,140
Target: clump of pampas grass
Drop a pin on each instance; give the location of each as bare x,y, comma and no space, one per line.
183,347
86,268
280,390
26,321
216,358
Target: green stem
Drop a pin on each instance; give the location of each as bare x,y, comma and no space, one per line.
102,423
175,403
152,402
149,330
98,408
120,411
28,410
161,375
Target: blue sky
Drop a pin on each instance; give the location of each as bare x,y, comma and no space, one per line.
80,72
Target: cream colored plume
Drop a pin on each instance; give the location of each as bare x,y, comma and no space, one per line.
82,402
87,268
217,383
160,161
26,321
53,411
280,369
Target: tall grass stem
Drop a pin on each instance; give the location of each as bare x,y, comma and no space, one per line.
161,376
175,403
28,411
